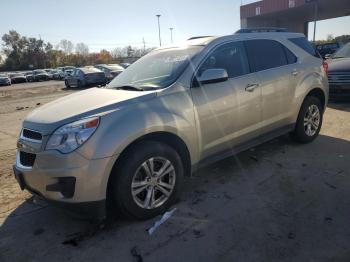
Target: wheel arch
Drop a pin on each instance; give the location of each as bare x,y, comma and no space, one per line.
165,137
320,94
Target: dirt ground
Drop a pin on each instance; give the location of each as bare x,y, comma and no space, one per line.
280,201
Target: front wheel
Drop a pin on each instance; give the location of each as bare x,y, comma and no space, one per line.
309,120
147,180
66,83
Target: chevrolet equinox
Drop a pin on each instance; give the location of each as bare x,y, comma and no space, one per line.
180,107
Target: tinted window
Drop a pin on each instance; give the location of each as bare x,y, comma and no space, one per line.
231,57
266,54
304,44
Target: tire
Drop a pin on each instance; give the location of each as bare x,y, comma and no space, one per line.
306,132
131,170
66,83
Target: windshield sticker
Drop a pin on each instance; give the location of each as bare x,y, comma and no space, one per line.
176,59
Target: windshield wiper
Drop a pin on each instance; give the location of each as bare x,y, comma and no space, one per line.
129,87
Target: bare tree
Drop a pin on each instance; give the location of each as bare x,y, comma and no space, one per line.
81,49
66,46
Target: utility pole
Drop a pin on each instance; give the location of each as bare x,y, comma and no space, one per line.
171,34
160,40
315,19
144,45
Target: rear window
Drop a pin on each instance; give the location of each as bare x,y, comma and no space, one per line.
305,45
266,54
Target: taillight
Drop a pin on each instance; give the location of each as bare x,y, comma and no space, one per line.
325,67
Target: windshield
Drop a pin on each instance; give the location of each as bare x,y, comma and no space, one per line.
343,52
158,69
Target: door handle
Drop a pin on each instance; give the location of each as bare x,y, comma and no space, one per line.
251,87
295,72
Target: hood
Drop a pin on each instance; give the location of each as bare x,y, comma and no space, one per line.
339,64
81,104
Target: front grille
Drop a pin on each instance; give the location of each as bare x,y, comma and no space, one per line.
27,159
31,134
339,78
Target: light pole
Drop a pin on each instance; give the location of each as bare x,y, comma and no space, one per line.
160,40
315,22
171,34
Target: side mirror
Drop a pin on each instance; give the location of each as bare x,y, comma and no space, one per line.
211,76
328,56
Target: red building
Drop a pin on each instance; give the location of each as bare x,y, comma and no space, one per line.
291,14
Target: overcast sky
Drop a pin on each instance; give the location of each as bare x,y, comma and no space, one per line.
117,23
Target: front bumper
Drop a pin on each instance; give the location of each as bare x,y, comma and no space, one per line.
67,180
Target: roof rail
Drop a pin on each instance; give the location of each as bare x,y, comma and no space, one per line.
198,37
261,30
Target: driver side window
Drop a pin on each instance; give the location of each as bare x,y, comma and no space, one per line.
232,57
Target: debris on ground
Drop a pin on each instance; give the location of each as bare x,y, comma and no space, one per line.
291,235
75,238
38,231
328,219
197,233
18,108
136,254
164,218
330,185
38,104
255,158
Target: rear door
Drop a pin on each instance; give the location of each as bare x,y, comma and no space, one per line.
276,68
73,77
227,114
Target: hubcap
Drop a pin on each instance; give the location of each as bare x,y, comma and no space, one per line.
153,183
312,120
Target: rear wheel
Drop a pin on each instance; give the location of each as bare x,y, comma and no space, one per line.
147,180
66,83
309,120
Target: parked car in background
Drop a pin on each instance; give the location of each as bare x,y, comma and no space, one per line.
54,74
339,72
4,80
327,49
40,75
110,70
173,111
125,65
17,78
59,74
67,73
68,68
85,76
29,76
49,73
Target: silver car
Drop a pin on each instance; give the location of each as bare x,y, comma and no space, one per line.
176,109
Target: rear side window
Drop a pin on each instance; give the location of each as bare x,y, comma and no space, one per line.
304,44
266,54
291,58
231,57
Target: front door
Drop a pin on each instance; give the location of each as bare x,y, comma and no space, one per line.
227,113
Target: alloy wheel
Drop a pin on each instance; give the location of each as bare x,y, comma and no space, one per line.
312,120
153,182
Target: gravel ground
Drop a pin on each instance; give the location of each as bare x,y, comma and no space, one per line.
280,201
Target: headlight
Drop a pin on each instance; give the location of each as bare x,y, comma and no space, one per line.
71,136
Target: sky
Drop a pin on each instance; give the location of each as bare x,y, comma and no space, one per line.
106,24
